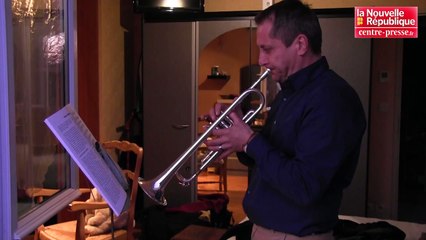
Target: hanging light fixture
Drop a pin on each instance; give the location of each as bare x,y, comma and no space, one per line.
169,5
30,10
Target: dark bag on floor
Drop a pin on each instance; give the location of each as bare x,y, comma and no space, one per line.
349,230
162,223
220,216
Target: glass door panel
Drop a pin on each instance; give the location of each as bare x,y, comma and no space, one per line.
40,86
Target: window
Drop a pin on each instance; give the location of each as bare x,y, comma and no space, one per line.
37,79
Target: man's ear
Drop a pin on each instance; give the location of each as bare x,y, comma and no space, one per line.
302,44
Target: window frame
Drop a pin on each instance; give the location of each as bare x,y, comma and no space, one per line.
13,227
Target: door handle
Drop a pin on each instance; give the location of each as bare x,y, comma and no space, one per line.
180,126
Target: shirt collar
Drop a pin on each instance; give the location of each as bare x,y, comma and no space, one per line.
304,76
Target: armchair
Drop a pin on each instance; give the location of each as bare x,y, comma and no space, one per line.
75,229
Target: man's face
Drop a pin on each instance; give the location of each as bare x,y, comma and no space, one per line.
273,54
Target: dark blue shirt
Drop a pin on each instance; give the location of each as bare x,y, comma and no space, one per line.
306,153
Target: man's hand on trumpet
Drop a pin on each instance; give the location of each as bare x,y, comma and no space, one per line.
231,139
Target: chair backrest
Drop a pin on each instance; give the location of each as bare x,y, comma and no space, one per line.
124,150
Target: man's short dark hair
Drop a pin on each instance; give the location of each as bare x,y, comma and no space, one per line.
291,18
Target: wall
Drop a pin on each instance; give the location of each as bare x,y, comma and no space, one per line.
318,4
384,122
232,5
253,5
88,67
111,70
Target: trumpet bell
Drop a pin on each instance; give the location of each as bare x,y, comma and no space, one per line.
156,194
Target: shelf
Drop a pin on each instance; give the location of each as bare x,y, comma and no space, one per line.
219,77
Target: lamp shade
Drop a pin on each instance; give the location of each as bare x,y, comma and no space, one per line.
169,5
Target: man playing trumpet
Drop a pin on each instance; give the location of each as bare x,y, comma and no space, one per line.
306,153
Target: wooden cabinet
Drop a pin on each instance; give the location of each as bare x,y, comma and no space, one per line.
169,102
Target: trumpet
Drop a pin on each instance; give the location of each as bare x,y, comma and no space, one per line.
155,187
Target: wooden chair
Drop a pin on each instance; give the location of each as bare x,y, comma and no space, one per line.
75,229
216,172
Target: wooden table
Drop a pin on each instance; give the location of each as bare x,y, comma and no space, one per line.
196,232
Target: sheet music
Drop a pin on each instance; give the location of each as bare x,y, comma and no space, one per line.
80,143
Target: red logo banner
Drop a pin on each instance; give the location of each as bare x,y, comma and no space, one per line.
386,22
